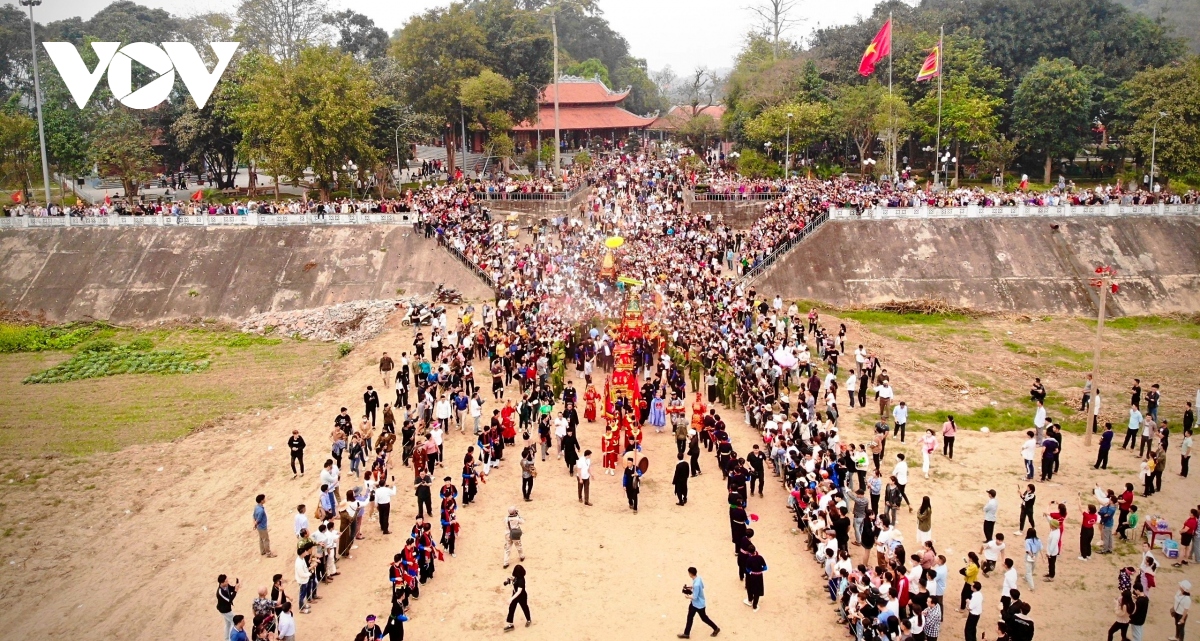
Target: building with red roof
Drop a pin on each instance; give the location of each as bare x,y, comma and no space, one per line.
586,109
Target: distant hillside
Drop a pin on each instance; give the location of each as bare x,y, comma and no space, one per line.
1182,17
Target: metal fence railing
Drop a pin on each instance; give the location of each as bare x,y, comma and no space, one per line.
205,220
476,269
1014,211
734,196
761,266
532,195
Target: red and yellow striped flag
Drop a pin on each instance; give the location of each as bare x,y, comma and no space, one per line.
932,67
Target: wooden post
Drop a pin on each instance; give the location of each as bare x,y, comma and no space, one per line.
1105,280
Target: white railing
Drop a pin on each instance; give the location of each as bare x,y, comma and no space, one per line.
205,220
1016,211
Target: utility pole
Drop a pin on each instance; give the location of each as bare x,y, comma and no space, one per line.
787,159
1105,283
37,98
463,116
1153,141
557,142
941,72
891,106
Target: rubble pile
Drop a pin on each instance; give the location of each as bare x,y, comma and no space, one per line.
352,322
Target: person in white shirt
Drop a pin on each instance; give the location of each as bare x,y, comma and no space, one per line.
1028,454
560,430
885,398
443,409
303,574
438,432
992,552
475,408
330,475
383,501
286,626
1039,420
1010,579
583,475
900,471
974,611
900,418
301,520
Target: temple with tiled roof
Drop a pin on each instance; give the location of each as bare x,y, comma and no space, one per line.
586,109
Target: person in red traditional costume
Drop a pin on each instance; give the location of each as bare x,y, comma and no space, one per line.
506,420
589,398
698,411
610,445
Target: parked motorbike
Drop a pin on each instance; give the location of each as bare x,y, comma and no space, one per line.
447,295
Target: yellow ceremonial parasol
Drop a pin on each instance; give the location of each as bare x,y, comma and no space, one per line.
613,242
631,281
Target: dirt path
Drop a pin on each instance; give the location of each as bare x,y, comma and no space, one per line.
128,545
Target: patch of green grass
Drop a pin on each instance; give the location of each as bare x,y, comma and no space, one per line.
1054,354
106,360
1184,327
872,317
34,338
1006,418
86,416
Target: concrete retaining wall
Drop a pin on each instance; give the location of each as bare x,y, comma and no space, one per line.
1015,264
148,274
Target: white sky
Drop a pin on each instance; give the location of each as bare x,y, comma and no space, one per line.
681,33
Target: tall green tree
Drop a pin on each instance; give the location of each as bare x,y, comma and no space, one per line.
440,48
358,35
18,148
121,145
1168,97
210,136
858,114
811,122
312,112
1052,110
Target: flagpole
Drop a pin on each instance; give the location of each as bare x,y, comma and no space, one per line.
937,153
891,105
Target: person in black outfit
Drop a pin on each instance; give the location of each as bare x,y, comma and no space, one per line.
631,480
296,448
738,519
519,597
757,461
680,481
370,631
371,401
1135,395
424,495
226,593
343,422
693,451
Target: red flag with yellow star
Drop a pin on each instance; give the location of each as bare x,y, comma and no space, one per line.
880,48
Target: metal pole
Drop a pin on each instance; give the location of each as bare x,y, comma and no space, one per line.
1104,285
891,107
37,99
1153,140
557,142
787,160
398,178
463,116
941,72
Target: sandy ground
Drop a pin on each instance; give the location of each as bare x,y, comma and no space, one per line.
128,545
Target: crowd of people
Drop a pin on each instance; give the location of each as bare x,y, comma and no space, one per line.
783,366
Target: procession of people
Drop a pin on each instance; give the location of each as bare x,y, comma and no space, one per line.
673,345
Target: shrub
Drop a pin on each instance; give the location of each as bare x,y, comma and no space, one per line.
344,349
33,338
